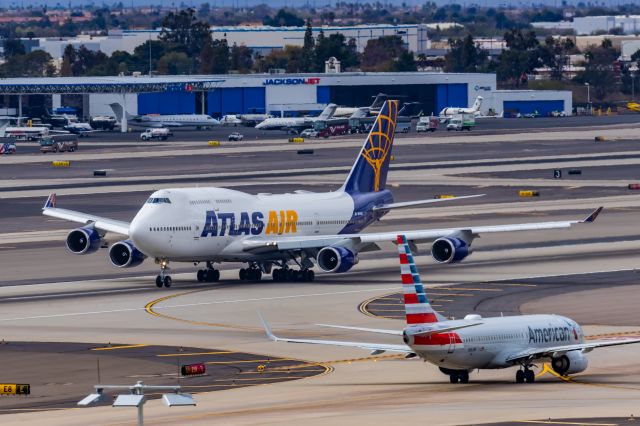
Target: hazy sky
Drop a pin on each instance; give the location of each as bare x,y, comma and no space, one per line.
280,3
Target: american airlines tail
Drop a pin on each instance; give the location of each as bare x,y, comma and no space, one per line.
416,305
369,172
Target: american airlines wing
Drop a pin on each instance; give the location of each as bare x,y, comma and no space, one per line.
418,236
560,350
374,347
98,222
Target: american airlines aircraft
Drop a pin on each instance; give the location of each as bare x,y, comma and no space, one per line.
458,347
158,120
296,123
448,112
270,232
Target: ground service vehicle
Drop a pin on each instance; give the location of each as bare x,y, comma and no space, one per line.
59,143
427,124
160,133
309,133
461,122
235,136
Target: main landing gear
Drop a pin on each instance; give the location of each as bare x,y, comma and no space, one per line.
252,273
163,279
525,376
286,274
208,275
456,376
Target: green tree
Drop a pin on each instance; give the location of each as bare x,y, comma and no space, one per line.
221,60
599,72
519,58
184,29
283,18
386,53
174,63
241,58
465,56
13,47
69,57
308,49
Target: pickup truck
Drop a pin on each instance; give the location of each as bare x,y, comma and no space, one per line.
160,133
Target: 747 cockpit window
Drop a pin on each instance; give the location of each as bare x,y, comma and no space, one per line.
153,200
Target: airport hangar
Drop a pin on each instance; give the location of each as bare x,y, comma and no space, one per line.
280,94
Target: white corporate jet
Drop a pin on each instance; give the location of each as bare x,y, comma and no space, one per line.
160,120
296,123
458,347
449,112
271,231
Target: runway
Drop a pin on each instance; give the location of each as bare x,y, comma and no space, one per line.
81,302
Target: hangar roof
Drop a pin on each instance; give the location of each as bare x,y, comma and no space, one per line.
67,85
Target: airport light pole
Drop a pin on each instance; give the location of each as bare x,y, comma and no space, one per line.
588,97
136,397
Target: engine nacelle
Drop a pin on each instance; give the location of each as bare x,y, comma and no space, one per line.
124,254
336,259
570,363
83,241
449,250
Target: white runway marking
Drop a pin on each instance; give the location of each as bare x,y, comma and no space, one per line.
185,305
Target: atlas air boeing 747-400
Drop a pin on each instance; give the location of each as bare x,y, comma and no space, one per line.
270,232
458,347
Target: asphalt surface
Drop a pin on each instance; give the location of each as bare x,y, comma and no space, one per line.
490,299
80,366
49,295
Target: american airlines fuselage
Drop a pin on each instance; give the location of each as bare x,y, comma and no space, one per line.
489,344
210,224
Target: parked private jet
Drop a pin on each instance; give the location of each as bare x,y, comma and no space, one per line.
296,123
159,120
458,347
271,231
449,112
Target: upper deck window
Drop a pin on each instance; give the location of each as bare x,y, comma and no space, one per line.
153,200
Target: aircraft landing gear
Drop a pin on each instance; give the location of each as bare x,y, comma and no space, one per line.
286,274
209,275
163,279
252,273
456,376
525,376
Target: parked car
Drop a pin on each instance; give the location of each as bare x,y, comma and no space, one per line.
235,136
309,133
59,143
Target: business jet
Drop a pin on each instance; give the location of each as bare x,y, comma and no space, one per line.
158,120
449,112
458,347
271,232
296,123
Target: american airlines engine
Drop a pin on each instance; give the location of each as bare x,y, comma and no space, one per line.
285,235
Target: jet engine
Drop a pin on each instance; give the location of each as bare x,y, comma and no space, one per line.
124,254
450,250
570,363
336,259
83,241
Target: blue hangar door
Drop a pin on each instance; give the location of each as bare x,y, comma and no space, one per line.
544,108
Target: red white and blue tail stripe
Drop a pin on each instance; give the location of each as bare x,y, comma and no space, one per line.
417,307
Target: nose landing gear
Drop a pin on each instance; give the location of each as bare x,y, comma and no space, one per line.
163,279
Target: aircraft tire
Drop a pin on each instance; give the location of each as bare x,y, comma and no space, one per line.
216,276
200,275
453,378
167,281
464,376
243,274
159,281
519,376
310,275
255,274
529,377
